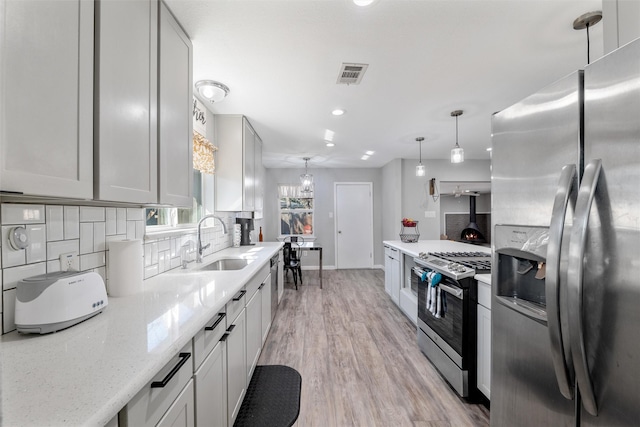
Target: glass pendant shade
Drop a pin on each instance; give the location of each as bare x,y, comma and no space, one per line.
457,154
420,169
306,179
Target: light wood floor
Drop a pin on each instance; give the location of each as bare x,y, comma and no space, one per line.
358,357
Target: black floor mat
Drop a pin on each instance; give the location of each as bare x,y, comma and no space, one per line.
272,399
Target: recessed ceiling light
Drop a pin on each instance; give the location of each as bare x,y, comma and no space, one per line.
330,144
365,157
369,153
362,2
489,149
338,112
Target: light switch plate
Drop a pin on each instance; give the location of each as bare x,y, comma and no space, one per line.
429,214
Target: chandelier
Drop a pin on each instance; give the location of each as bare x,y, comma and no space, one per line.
306,179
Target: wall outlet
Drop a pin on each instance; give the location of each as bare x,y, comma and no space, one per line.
69,262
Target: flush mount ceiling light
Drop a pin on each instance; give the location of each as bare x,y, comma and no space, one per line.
457,153
420,169
306,179
211,90
338,112
362,3
330,144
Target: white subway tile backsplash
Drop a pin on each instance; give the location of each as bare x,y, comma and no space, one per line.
10,256
11,276
91,214
135,214
147,255
90,261
154,253
8,310
131,230
53,266
175,262
140,229
86,237
22,214
121,221
55,223
37,249
99,236
151,271
111,217
71,222
164,245
54,249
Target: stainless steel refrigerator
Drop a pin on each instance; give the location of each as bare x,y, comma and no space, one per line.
566,218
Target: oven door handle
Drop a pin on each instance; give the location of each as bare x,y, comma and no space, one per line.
458,293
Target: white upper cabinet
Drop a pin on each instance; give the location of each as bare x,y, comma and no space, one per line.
175,113
259,180
46,107
126,135
235,164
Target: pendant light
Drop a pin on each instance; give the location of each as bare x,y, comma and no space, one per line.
457,153
306,179
587,20
420,169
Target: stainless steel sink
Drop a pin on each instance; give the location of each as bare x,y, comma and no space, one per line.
227,264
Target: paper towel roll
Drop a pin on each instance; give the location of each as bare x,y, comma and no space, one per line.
124,268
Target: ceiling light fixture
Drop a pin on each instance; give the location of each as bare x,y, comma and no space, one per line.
306,179
369,153
330,144
338,112
362,3
457,153
211,90
364,157
420,169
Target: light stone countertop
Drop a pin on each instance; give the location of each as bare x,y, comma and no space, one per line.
413,249
85,374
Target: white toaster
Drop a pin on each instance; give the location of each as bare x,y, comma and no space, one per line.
54,301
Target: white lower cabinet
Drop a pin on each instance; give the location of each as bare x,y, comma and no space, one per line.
484,339
211,388
265,293
254,333
180,414
156,399
392,273
236,366
210,373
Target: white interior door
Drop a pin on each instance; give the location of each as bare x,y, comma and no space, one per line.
354,224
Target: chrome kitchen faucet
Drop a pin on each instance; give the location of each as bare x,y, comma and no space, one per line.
200,247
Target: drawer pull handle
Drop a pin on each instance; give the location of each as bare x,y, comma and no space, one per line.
230,328
183,359
216,323
239,295
224,337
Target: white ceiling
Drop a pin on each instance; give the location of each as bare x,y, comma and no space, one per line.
426,58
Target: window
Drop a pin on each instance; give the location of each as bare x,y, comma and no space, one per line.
158,219
296,211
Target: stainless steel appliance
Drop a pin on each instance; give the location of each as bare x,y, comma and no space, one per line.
566,218
447,334
274,285
246,227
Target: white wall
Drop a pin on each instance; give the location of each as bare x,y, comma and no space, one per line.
415,190
392,199
324,224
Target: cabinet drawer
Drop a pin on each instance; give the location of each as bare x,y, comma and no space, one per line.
235,305
484,294
152,402
256,281
207,338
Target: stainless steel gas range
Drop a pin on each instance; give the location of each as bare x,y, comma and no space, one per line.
447,312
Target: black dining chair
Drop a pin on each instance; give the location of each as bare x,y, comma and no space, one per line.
292,262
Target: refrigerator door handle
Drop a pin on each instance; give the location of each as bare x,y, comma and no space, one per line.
577,249
567,193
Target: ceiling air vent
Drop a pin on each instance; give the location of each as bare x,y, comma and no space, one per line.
351,74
